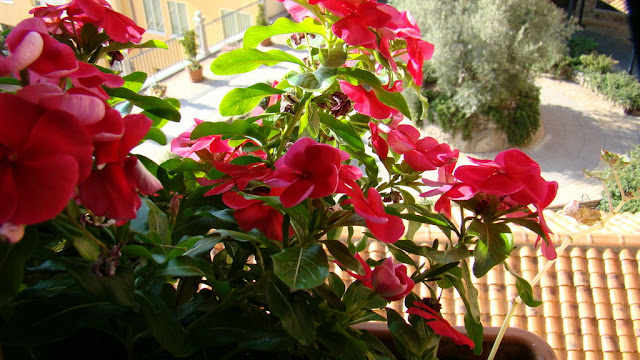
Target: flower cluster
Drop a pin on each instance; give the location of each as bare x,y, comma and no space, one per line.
70,143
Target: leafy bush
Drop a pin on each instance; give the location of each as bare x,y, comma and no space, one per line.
521,120
596,63
487,53
620,87
581,45
630,181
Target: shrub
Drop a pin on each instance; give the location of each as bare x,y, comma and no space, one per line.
190,46
521,120
594,63
620,87
630,181
487,52
581,45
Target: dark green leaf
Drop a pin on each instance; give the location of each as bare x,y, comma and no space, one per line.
495,243
244,60
152,104
158,222
525,291
186,266
301,268
236,128
164,325
400,255
202,246
457,253
333,58
405,337
320,80
474,332
343,255
156,135
9,81
343,131
294,313
255,34
118,289
242,100
12,260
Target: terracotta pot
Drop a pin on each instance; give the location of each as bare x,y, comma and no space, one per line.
195,75
266,42
517,344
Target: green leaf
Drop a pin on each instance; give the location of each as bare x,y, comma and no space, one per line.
320,80
237,128
152,104
186,266
460,252
405,337
164,325
244,60
494,246
474,332
134,81
140,251
12,260
158,222
255,34
525,290
202,246
9,81
333,58
242,100
156,135
343,131
301,268
118,289
400,255
294,313
343,255
157,44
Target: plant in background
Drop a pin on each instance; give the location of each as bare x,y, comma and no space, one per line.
627,179
190,46
234,248
488,53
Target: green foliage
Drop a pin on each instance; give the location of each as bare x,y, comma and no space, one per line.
594,63
521,120
630,180
487,53
581,45
261,18
190,46
620,87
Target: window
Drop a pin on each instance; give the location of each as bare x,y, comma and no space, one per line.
49,2
178,16
235,22
154,15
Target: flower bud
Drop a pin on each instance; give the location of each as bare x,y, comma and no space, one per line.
391,281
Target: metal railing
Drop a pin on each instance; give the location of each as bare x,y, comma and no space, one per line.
212,36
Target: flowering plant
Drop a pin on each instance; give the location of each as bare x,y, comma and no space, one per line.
234,248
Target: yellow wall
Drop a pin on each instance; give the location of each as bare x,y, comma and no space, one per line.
12,12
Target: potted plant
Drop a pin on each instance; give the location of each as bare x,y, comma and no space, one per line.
233,248
190,46
261,20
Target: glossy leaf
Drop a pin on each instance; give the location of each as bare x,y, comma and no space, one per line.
118,289
343,131
156,135
157,44
186,266
525,291
294,313
244,60
405,337
343,255
475,332
301,268
242,100
152,104
458,253
236,128
320,80
495,243
255,34
134,81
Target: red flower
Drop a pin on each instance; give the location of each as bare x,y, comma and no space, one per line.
365,102
386,228
203,148
439,325
388,280
254,214
378,143
112,189
43,155
239,176
421,154
31,46
308,169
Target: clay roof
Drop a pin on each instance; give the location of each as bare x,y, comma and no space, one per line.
591,295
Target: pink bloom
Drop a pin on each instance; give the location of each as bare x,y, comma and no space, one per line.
112,189
308,169
31,46
439,325
391,281
239,176
365,102
11,232
255,214
388,280
43,155
200,149
378,143
421,154
418,51
386,228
